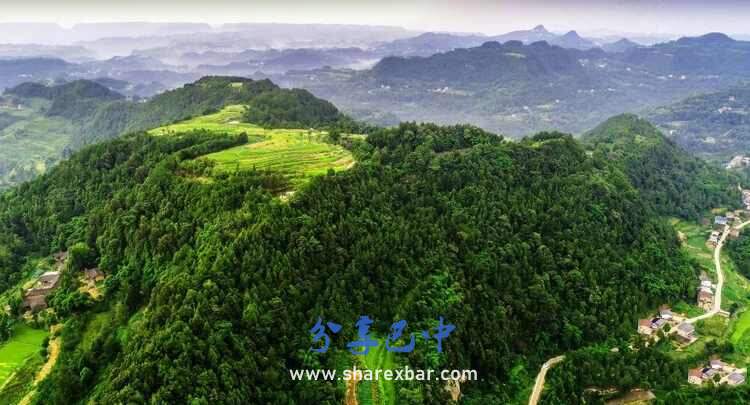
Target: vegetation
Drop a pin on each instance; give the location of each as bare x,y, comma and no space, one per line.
673,182
739,251
432,221
297,154
24,344
56,120
711,125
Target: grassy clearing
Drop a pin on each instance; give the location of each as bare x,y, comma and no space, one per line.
25,343
298,154
696,236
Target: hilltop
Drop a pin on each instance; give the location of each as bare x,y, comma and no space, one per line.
56,120
674,182
429,213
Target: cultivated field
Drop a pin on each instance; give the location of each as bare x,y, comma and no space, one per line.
24,343
298,154
31,142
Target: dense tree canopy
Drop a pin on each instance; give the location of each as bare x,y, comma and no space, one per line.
529,248
669,179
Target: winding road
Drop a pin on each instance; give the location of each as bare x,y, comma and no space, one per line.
719,276
539,383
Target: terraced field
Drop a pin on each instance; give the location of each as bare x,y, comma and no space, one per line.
299,154
381,392
23,345
30,142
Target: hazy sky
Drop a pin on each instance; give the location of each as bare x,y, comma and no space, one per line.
491,17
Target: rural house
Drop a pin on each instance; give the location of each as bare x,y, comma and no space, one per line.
705,299
686,331
665,312
695,376
35,297
644,327
717,364
93,275
736,378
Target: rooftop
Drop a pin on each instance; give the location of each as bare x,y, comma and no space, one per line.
686,327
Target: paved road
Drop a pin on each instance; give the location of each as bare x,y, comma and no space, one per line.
719,274
539,384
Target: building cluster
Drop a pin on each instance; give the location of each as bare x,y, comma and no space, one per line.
738,161
685,332
746,199
706,293
35,298
718,372
721,222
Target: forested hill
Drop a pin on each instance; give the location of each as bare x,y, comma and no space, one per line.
269,105
77,100
487,64
78,88
714,125
671,180
214,285
41,124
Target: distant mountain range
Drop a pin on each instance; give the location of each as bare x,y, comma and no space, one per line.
623,45
158,56
515,83
517,89
431,43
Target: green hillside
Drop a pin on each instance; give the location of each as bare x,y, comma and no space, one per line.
713,125
298,154
671,180
55,120
31,141
214,285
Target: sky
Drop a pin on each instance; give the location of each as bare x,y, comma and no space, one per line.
486,16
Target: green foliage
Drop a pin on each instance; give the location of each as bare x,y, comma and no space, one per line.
59,119
739,251
586,375
434,221
81,256
291,109
6,327
671,181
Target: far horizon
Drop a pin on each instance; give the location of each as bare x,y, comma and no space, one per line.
588,17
